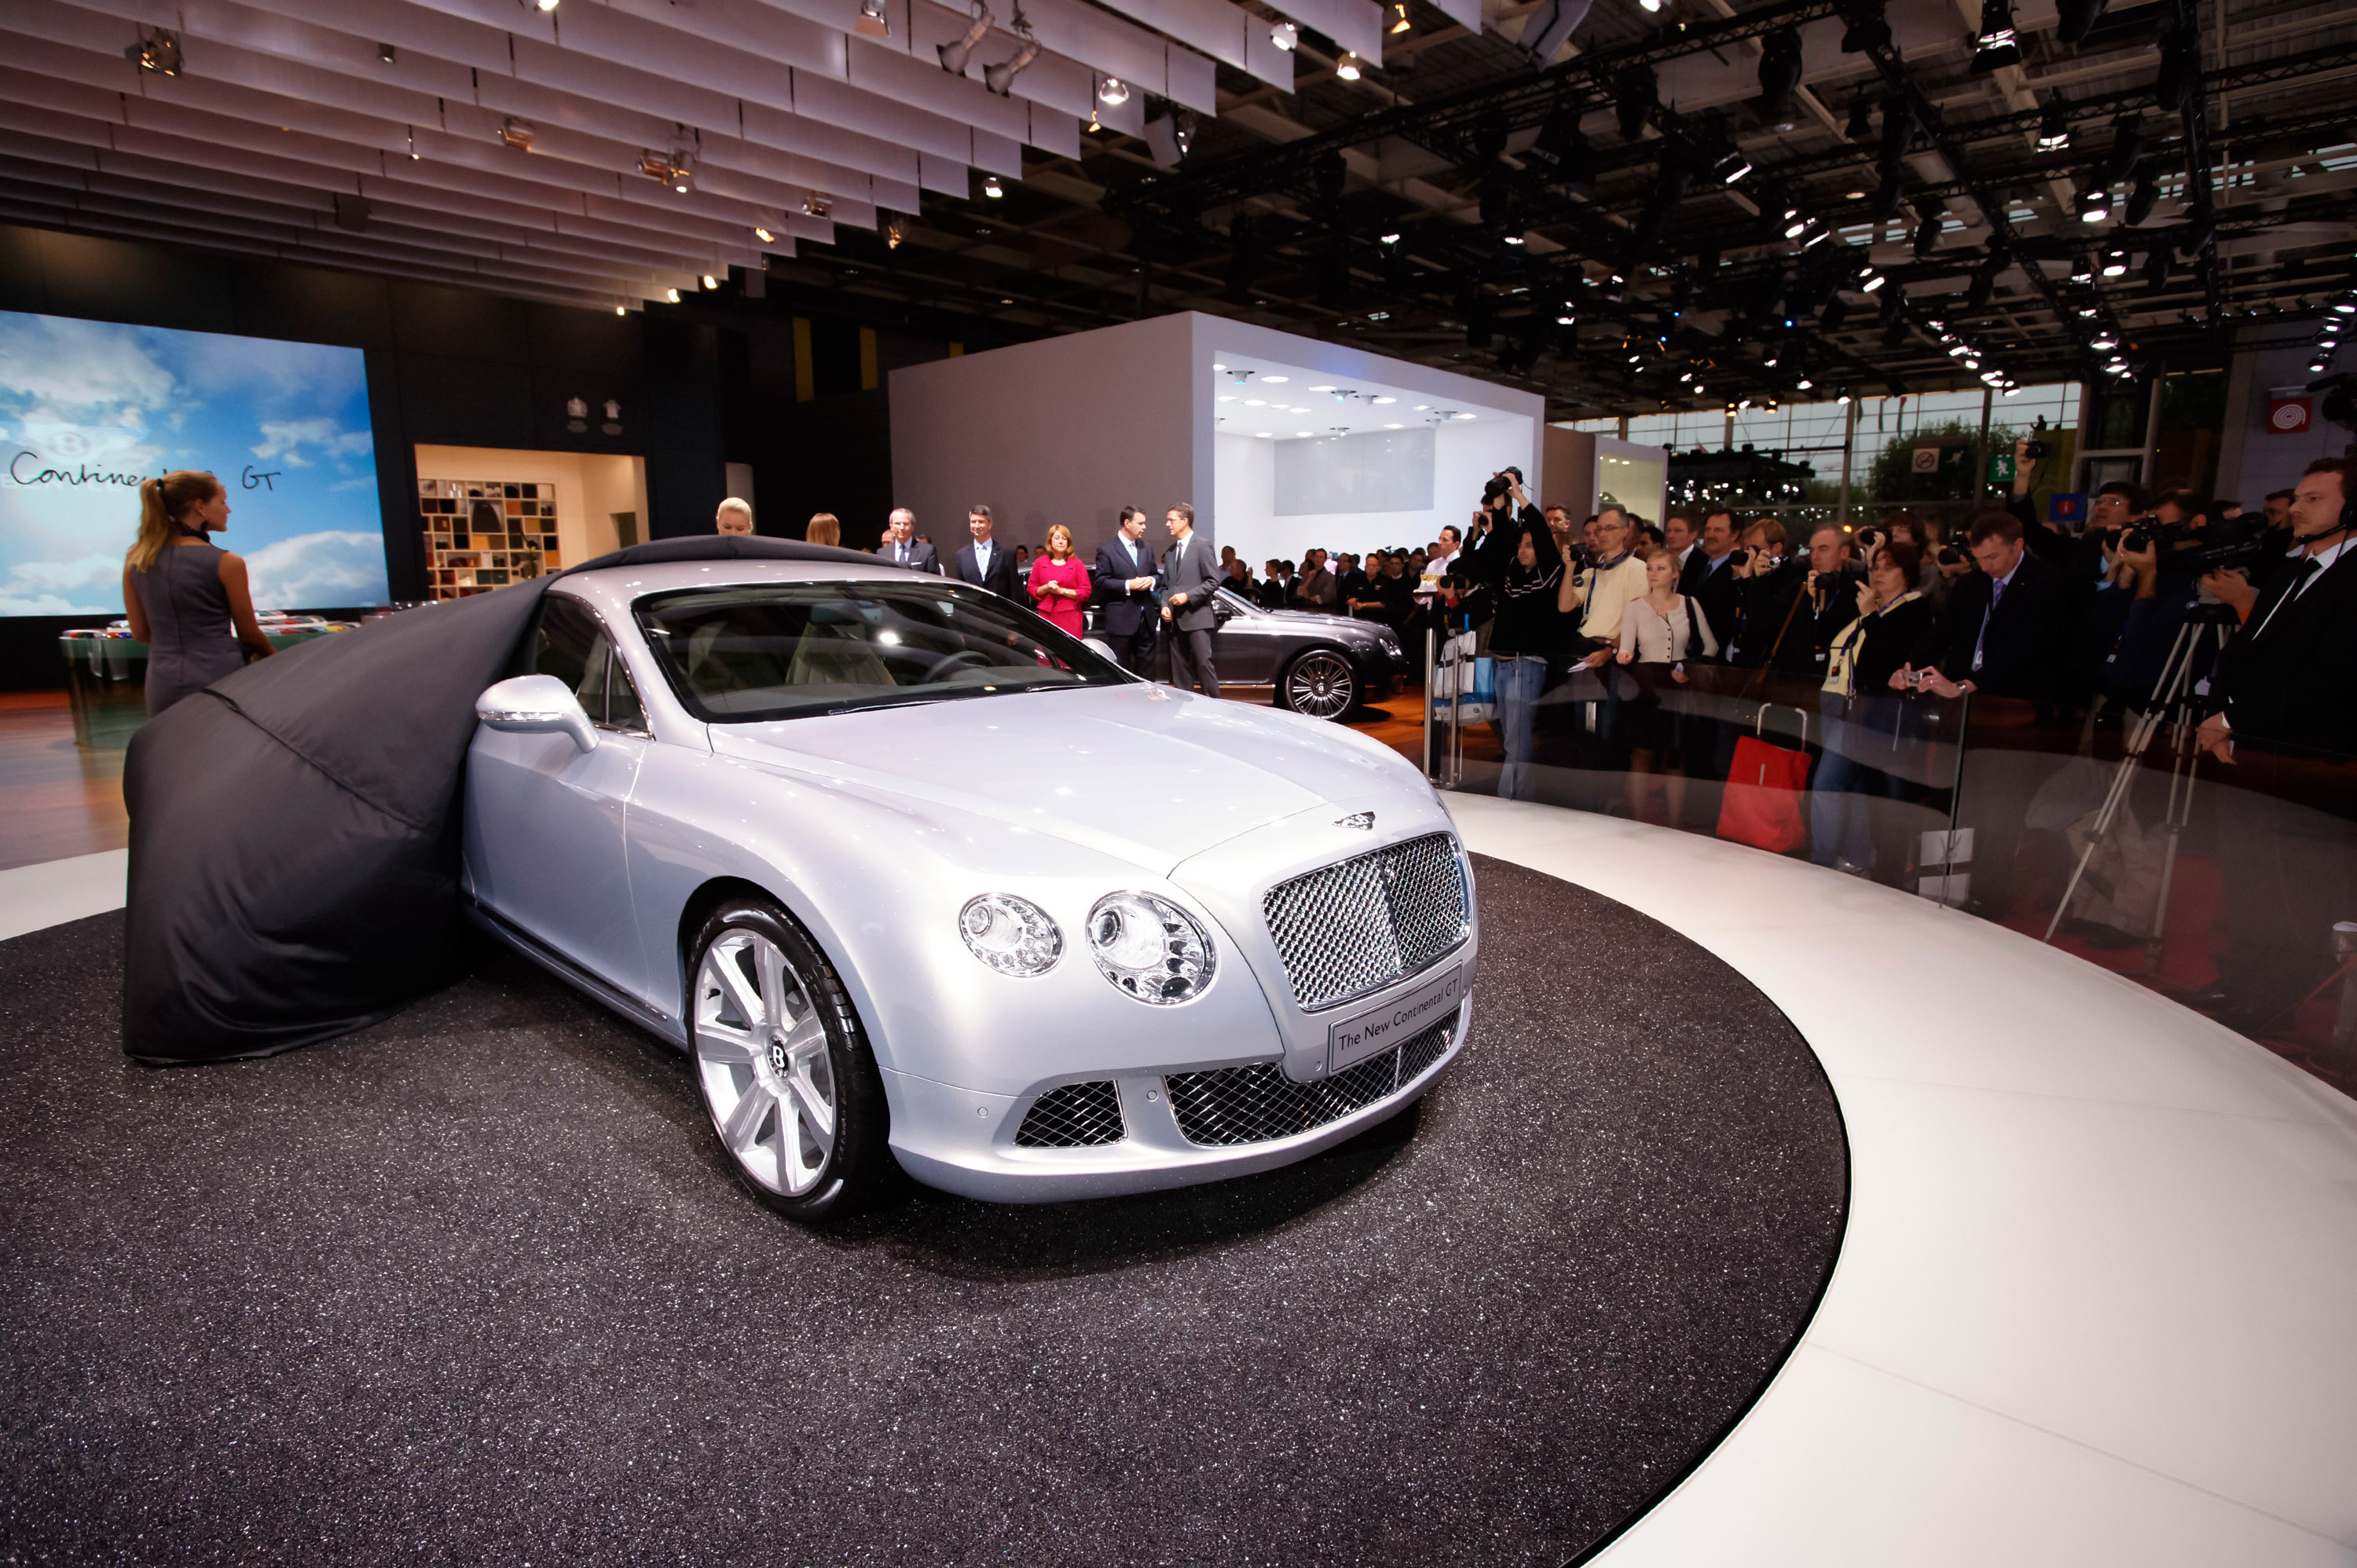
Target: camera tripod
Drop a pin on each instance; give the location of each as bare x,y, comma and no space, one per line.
2177,704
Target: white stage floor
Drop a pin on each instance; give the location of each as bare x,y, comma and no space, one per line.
2097,1301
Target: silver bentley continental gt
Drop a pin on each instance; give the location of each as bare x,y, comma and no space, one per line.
914,876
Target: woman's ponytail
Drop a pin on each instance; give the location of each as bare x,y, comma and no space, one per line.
162,503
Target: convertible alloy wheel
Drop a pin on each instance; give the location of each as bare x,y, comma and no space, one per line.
1321,684
796,1103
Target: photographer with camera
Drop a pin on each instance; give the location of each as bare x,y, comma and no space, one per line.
1600,590
2005,628
1793,616
2288,727
1711,578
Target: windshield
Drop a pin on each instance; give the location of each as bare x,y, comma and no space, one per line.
782,650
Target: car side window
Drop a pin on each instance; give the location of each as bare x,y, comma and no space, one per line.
562,647
612,700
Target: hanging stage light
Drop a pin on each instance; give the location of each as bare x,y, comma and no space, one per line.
1780,72
2083,271
1000,78
1348,67
953,57
1399,22
872,22
1563,149
2077,18
1927,230
1997,43
2054,127
2095,205
1731,167
991,187
1870,278
1284,36
1634,98
2115,264
158,51
2147,194
1861,118
2127,146
1112,91
1865,31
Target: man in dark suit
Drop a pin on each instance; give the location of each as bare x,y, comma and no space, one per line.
1189,575
982,563
2007,629
2287,731
1709,576
1123,578
903,548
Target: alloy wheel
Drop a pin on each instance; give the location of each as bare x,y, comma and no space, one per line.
761,1052
1321,685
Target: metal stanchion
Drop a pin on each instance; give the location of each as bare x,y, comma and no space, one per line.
1431,663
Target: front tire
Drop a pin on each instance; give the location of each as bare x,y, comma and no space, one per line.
1320,684
783,1067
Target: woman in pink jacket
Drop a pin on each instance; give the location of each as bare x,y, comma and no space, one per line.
1059,584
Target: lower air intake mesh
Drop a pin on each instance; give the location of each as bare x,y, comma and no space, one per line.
1254,1104
1073,1117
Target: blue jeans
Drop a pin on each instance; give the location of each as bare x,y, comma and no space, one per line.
1840,824
1519,683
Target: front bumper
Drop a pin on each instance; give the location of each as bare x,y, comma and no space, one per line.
964,1142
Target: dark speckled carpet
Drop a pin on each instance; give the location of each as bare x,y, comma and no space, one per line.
475,1286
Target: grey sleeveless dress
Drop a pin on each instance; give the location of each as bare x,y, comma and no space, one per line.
191,642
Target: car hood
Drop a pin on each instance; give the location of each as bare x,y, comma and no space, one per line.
1144,773
1339,625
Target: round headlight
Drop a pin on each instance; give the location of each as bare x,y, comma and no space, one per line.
1013,935
1150,948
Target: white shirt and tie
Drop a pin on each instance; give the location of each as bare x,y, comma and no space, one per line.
981,557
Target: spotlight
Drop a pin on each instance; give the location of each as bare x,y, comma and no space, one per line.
516,134
1286,35
872,23
1634,98
1861,118
1399,22
1731,167
2115,264
670,168
158,51
1872,278
1779,70
895,230
2345,305
765,236
1347,68
1112,90
953,57
817,204
1843,397
544,4
2142,200
1563,150
1866,31
2083,271
2096,205
1000,78
671,294
1927,231
2127,146
1997,44
1651,7
991,187
2077,18
2054,127
620,311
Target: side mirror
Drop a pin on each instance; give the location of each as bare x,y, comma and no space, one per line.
537,704
1103,648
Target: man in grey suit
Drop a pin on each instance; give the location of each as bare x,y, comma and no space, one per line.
1188,576
902,548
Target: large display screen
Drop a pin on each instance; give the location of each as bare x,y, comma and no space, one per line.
88,409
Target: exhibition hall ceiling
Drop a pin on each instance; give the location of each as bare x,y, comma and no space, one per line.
1284,403
1608,203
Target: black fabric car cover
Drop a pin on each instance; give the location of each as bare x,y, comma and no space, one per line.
295,826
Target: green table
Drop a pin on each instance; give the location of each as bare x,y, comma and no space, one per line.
106,681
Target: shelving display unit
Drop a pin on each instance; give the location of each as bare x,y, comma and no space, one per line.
485,533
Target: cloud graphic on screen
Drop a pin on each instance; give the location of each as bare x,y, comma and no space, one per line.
313,571
284,440
86,585
79,364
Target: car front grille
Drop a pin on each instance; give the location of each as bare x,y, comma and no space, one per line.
1254,1104
1358,925
1073,1117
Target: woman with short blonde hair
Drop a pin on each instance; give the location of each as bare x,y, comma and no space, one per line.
825,528
1059,584
186,599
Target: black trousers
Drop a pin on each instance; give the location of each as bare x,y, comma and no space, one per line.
1135,651
1190,661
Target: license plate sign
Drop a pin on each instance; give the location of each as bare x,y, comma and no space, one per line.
1377,1029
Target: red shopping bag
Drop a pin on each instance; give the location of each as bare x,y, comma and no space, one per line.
1762,804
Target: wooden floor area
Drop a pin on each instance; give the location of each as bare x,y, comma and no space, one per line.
56,800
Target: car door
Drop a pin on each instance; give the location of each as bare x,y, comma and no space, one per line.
1245,647
545,826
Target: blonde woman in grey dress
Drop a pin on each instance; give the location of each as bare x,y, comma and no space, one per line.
186,599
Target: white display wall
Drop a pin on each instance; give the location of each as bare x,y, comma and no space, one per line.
1071,429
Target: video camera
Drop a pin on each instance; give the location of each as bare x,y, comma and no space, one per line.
2233,544
2035,448
1499,485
